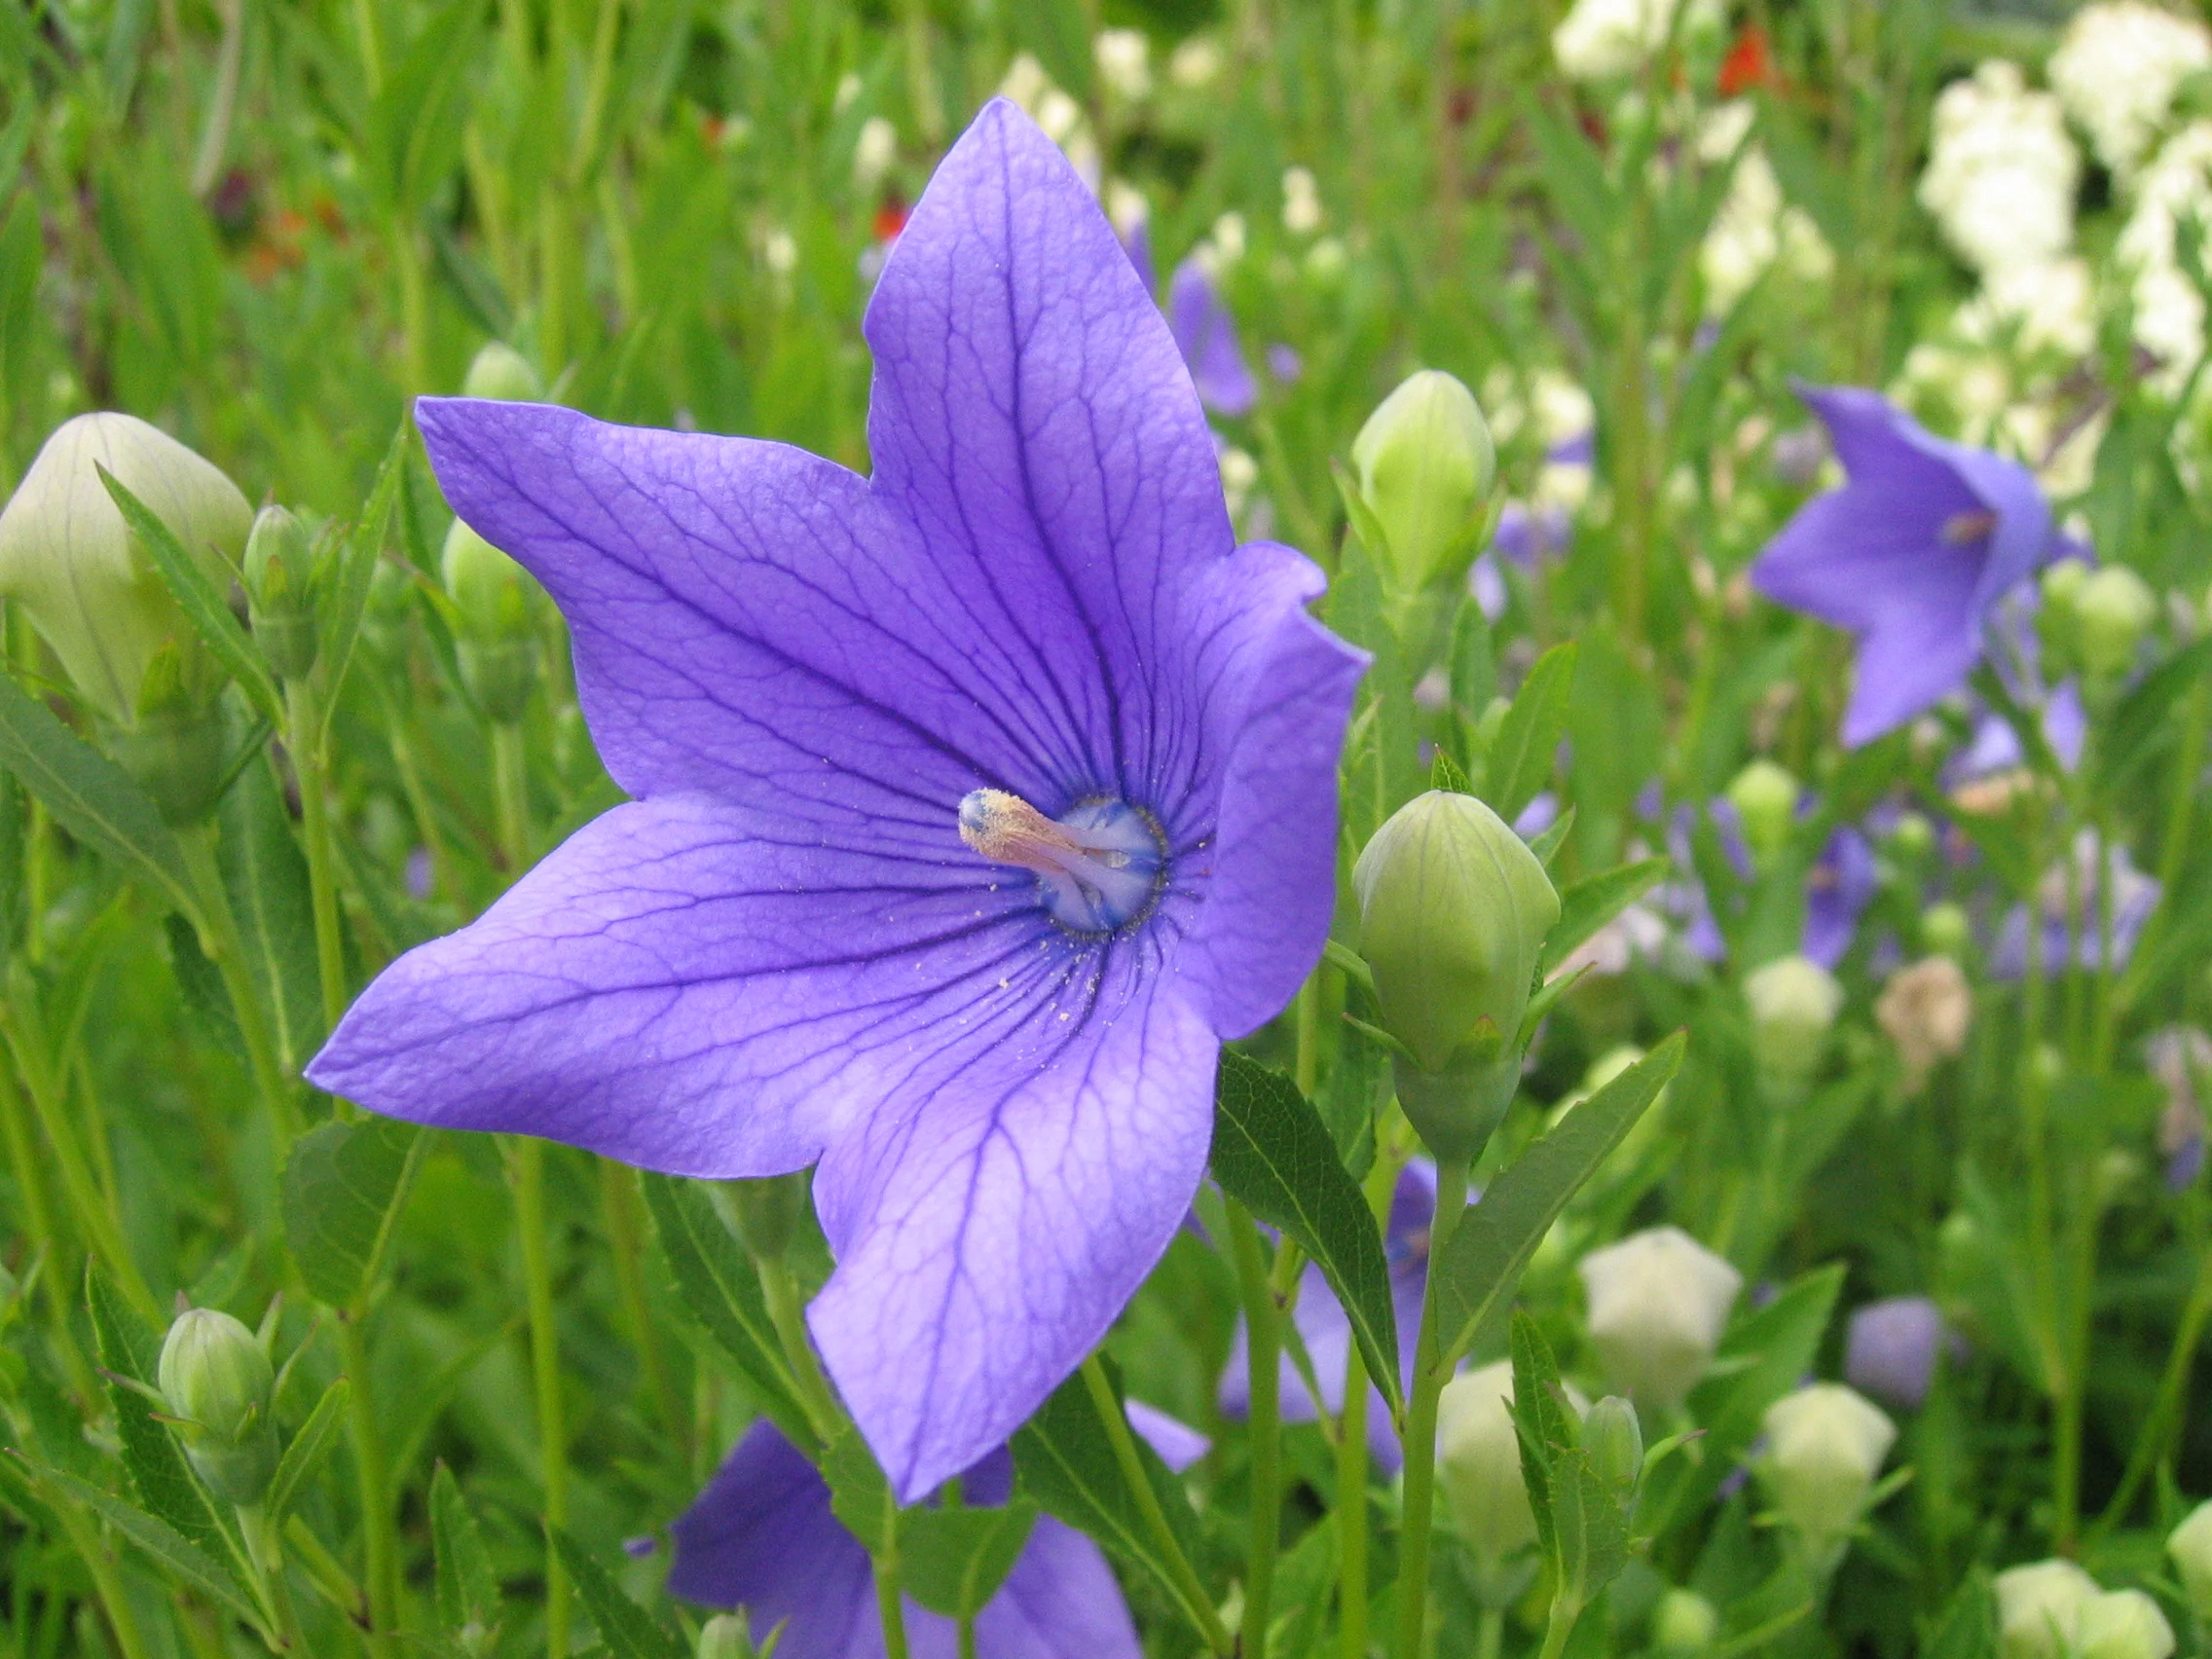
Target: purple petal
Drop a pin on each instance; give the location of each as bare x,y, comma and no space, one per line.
1137,245
1892,1347
986,1239
1842,885
1208,336
1488,585
1178,1444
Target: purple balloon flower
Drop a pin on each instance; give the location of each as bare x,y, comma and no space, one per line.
2134,896
1892,1348
978,802
1911,554
764,1538
1836,895
1326,1329
1206,335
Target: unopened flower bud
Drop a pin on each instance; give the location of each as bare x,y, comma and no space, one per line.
1658,1302
2123,1624
765,1212
2189,1544
1454,909
492,597
1926,1009
1793,1002
501,372
1892,1347
1765,798
1911,837
1684,1624
1425,464
2115,608
174,746
279,591
1947,930
2062,584
92,591
724,1637
1614,1441
2039,1608
1478,1457
1824,1446
217,1380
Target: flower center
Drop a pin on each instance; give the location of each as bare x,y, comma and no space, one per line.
1964,530
1099,867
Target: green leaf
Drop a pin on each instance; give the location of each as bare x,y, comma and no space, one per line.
1067,1464
1539,1424
858,1492
467,1589
2126,740
1444,774
1588,905
348,600
1474,660
717,1285
162,1542
1482,1265
92,797
1547,844
954,1561
1273,1155
202,984
266,880
131,1350
1057,32
1521,760
343,1189
627,1629
205,606
308,1448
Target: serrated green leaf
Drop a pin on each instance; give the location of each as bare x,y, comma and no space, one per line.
1546,845
202,984
627,1629
954,1561
1444,774
1273,1155
1481,1267
91,795
308,1448
858,1494
1588,905
342,1188
131,1348
1521,760
204,606
348,600
717,1286
161,1543
467,1589
266,880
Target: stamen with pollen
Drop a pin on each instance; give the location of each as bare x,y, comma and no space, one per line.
1099,867
1962,530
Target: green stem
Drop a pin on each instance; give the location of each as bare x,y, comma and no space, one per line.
2165,1410
786,1311
1185,1585
372,49
526,1172
266,1555
1263,1325
1432,1370
510,788
303,737
220,938
626,1237
107,1583
1560,1626
1490,1634
890,1605
372,1481
1351,1511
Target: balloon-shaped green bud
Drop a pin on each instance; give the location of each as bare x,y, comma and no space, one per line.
216,1378
1614,1441
1947,930
90,590
1793,1002
1824,1446
2123,1624
1425,464
724,1637
1684,1624
2115,608
279,591
1453,913
492,598
500,371
1765,798
765,1212
2039,1606
2190,1546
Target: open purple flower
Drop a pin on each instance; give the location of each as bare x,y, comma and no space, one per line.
976,803
1326,1330
764,1538
1206,334
1837,892
2064,900
1912,554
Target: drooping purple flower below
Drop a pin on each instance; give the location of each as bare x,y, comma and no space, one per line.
1912,554
763,1537
1892,1348
976,802
1206,335
1837,892
2134,896
1326,1330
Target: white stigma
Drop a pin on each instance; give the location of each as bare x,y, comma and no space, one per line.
1097,867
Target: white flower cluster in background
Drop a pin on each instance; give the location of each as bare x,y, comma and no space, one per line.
1600,40
2170,313
2001,172
1125,64
2116,71
1756,228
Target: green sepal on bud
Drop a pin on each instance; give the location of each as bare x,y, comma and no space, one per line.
2113,612
90,590
1765,798
1614,1441
499,371
1684,1624
281,582
1425,464
492,598
217,1380
1454,909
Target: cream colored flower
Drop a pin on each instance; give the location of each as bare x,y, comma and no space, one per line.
1658,1302
1925,1009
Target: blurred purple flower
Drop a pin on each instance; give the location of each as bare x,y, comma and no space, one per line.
1540,815
1912,554
1206,336
817,688
1486,583
1527,534
1284,364
1837,890
763,1537
2134,896
1836,895
1892,1348
1326,1330
421,873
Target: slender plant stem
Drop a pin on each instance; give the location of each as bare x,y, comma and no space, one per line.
267,1554
1490,1634
626,1237
788,1313
1351,1511
1431,1372
372,1481
890,1605
1560,1626
107,1583
303,737
511,781
372,48
526,1174
1196,1606
220,938
1262,1326
2165,1410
